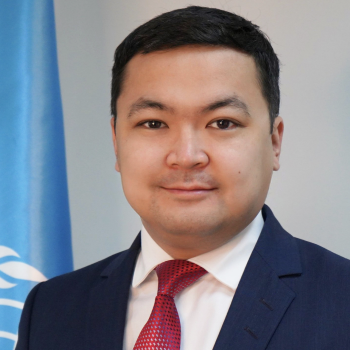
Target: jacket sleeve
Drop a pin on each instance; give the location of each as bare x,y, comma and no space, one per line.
25,323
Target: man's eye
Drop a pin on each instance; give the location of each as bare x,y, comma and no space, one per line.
153,124
223,124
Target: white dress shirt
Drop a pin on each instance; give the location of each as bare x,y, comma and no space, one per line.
202,307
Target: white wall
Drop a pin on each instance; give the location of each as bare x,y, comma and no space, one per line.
310,195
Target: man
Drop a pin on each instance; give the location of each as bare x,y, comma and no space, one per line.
197,135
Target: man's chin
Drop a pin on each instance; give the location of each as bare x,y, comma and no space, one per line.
191,225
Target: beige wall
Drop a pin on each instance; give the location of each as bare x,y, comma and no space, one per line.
310,194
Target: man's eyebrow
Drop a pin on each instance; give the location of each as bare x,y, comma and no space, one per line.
143,103
232,101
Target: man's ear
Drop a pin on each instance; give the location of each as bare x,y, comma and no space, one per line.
115,144
276,138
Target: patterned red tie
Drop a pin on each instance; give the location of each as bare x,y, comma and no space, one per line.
163,330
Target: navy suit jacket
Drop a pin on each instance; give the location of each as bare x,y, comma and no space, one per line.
293,295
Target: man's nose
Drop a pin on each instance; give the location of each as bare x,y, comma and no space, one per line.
188,151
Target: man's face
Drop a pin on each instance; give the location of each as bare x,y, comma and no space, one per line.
193,144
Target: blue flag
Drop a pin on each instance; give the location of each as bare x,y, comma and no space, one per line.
35,241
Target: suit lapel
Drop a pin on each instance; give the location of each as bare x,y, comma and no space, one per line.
108,302
262,297
259,304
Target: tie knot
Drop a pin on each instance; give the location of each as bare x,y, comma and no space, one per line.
176,275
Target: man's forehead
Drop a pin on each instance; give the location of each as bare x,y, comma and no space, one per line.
149,77
188,62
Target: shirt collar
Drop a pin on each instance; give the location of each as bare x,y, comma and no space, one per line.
150,256
226,263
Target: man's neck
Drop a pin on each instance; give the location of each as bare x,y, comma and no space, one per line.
187,246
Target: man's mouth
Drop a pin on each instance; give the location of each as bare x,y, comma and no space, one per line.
189,190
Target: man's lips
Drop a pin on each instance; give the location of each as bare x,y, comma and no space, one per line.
189,190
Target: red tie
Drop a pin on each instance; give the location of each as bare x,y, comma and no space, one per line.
163,330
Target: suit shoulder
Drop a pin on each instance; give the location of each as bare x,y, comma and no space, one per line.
82,278
317,258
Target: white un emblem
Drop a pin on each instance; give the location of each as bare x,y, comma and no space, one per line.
13,291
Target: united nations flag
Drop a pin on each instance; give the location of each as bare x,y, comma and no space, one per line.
35,242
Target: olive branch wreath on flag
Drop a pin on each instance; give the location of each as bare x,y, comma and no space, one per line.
15,270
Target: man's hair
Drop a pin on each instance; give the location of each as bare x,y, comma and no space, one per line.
195,25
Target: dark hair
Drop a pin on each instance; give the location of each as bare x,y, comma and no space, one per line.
195,25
